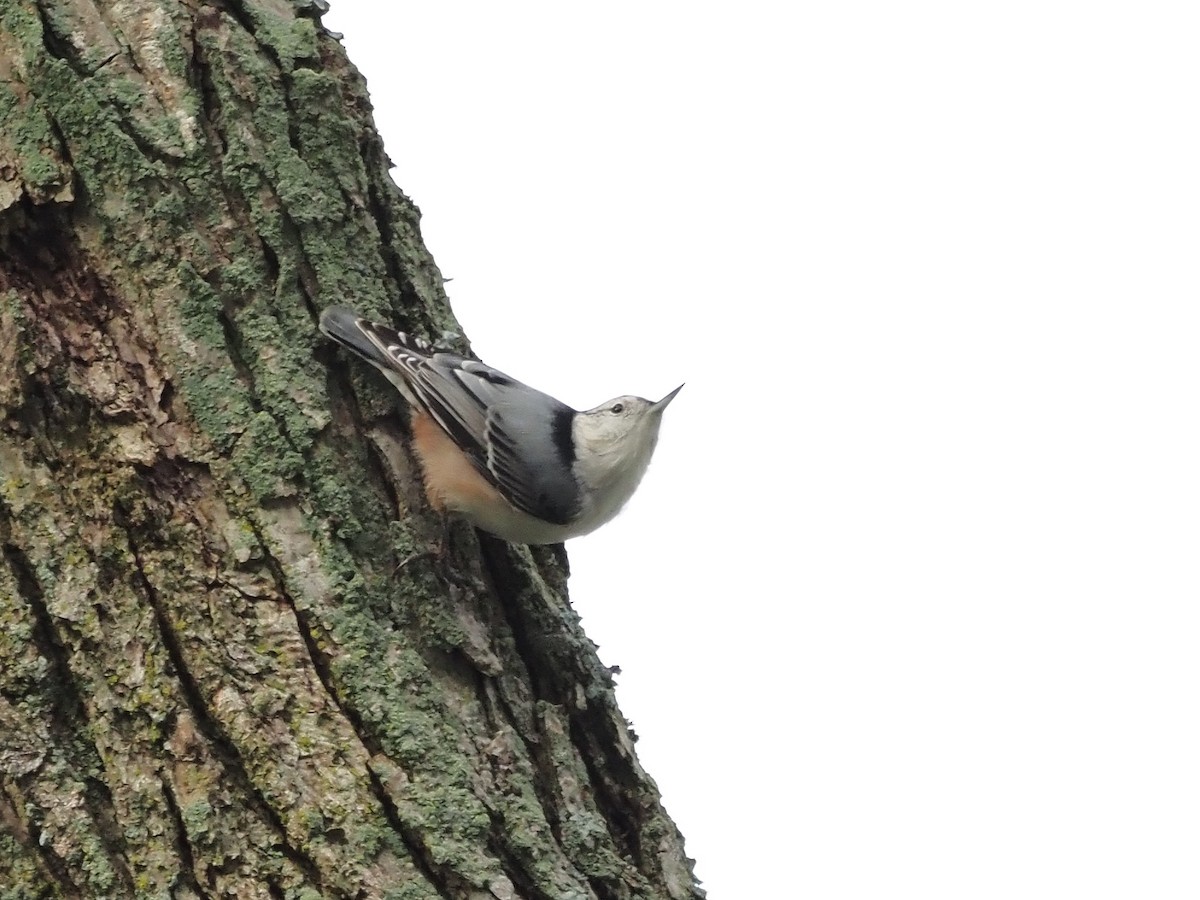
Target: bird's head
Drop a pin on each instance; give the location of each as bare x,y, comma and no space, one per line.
619,436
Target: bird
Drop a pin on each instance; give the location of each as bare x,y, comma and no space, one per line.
510,459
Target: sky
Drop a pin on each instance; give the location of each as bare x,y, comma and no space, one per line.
908,603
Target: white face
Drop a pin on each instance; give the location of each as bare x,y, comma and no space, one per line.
604,426
613,446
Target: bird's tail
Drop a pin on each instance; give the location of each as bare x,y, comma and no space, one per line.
393,353
349,329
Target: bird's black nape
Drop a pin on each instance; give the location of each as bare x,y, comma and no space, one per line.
560,431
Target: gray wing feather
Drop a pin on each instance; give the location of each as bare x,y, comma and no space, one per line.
517,437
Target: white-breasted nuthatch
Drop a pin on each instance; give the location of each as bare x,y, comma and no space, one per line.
506,457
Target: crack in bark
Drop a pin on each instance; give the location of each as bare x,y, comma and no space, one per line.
56,46
54,863
233,346
412,842
498,842
501,573
236,12
98,801
62,50
182,844
318,659
513,868
104,62
212,109
617,803
212,116
67,159
202,83
306,276
226,750
377,461
346,399
416,849
614,785
307,283
387,235
271,258
26,833
542,787
145,146
69,720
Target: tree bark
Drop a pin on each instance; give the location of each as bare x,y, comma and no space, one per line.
226,668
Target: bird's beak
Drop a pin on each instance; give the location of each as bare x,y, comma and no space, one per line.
662,404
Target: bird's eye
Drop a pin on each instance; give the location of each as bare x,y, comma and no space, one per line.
617,408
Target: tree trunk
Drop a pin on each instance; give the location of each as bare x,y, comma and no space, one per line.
226,667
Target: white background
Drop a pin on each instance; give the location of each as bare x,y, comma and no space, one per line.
908,603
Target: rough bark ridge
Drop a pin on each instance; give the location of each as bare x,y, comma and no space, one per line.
214,681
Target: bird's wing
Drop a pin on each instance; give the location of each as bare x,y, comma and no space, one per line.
485,412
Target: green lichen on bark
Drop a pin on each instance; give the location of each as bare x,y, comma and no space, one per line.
28,145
